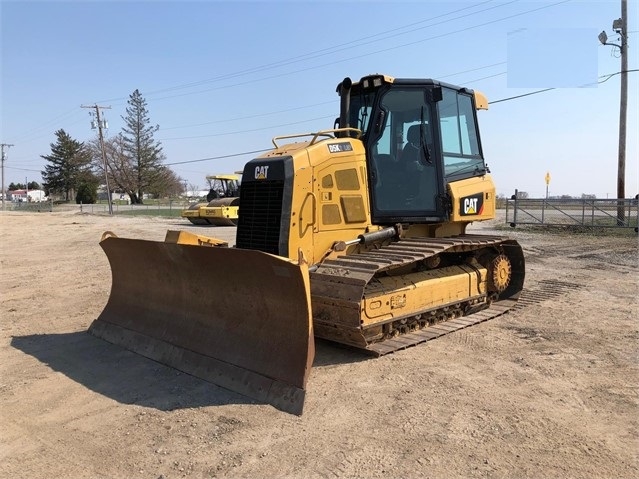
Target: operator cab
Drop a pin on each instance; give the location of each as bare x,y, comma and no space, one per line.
419,135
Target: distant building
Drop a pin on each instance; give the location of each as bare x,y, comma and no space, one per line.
197,193
116,195
29,196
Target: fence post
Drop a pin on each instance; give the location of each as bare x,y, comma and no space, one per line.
514,197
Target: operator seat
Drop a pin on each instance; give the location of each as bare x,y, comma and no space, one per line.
419,172
212,195
413,151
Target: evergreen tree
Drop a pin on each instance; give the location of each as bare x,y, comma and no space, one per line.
68,161
87,188
144,153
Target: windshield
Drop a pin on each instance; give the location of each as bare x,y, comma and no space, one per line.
460,141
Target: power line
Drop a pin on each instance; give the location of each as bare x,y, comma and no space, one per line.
226,120
25,139
322,52
607,77
520,96
219,157
22,169
47,123
246,131
333,62
304,57
336,48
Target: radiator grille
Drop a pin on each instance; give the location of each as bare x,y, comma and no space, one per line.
260,216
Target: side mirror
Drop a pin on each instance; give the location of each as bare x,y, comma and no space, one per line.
434,94
381,119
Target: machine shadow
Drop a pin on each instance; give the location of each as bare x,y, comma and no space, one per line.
122,375
130,378
328,353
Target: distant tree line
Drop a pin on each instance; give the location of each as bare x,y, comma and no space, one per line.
32,185
75,170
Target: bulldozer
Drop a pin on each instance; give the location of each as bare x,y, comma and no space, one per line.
222,206
355,234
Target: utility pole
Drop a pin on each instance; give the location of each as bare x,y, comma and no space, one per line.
102,124
620,26
622,29
2,147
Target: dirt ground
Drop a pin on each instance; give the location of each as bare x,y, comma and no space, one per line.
548,390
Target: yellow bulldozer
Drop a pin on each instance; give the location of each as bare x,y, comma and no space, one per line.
222,206
355,234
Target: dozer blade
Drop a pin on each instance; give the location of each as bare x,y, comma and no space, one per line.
238,318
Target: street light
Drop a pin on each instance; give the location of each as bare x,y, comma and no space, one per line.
603,37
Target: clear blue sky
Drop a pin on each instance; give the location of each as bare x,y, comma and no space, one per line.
222,78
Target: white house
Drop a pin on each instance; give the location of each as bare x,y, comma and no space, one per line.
197,193
31,196
37,196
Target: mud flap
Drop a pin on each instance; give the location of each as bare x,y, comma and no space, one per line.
238,318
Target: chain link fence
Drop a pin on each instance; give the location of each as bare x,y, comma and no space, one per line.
578,212
170,208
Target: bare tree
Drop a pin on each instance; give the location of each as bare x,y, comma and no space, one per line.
160,181
164,182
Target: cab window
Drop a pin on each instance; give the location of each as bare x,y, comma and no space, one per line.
459,137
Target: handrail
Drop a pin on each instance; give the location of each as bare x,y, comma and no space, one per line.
325,133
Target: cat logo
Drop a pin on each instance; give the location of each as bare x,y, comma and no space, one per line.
261,172
472,205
